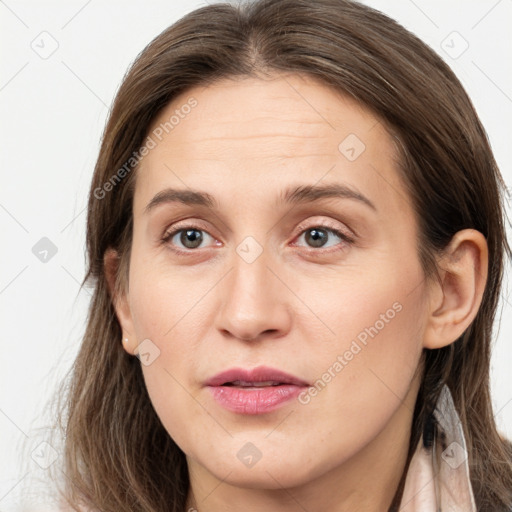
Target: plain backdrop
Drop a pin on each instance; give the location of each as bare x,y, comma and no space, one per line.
61,64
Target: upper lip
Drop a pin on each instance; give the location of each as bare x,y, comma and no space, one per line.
258,374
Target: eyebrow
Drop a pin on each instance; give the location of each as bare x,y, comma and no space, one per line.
293,195
307,193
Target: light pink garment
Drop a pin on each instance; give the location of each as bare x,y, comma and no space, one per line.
438,478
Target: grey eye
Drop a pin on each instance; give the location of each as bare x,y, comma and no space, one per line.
319,237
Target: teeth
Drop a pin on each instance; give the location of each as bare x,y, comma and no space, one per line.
243,383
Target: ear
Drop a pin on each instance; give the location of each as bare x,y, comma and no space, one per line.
120,301
455,300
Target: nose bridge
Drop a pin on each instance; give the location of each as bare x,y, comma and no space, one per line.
253,301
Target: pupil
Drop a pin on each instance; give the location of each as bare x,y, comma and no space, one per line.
318,236
191,236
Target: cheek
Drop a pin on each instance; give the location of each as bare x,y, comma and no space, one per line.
168,310
165,310
366,362
379,309
163,298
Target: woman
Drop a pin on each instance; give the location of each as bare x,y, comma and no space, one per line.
296,224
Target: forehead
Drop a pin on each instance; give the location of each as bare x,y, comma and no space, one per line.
252,132
302,112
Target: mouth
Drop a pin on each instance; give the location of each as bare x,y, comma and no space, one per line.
247,384
261,376
254,391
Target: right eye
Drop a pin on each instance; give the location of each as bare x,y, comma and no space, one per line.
191,237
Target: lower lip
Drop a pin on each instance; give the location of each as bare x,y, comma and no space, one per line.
254,400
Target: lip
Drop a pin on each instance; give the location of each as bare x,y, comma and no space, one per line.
254,399
258,374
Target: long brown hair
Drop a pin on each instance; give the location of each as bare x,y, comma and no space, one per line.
117,454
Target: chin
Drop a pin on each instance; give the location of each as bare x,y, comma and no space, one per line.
271,472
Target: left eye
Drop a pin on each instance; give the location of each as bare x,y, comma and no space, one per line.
318,236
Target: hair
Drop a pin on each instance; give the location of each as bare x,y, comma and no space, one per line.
117,454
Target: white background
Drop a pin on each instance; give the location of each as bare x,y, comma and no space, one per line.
52,114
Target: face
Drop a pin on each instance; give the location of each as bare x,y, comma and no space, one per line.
305,261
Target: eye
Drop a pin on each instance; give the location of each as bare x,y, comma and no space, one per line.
318,237
191,237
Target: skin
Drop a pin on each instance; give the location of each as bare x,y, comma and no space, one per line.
297,306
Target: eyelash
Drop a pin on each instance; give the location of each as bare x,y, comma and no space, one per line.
325,226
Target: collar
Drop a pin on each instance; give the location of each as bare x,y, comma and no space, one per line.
438,477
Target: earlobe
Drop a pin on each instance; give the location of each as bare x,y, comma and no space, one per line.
455,300
119,300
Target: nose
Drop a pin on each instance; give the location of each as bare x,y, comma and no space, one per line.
254,302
